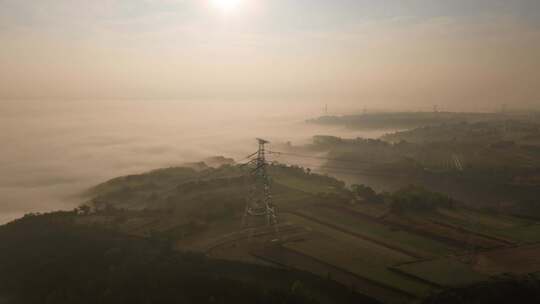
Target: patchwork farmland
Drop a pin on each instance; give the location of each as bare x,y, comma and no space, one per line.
399,259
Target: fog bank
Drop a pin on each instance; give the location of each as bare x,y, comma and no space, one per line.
53,151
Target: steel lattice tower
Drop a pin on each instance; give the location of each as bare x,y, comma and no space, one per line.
259,201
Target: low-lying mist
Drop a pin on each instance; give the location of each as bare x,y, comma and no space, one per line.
53,151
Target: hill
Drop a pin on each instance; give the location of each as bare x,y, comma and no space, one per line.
487,165
404,120
333,243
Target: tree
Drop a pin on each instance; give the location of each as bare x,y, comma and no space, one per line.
367,193
84,209
415,198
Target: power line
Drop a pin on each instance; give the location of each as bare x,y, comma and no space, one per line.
356,171
335,169
248,163
317,157
332,169
249,157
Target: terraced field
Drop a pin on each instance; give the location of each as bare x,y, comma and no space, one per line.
517,260
504,227
352,241
458,236
415,245
470,227
383,257
445,249
357,256
358,261
291,259
444,272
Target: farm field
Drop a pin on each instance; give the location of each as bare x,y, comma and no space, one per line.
294,260
516,260
419,246
381,252
477,267
456,229
509,228
361,257
402,260
374,249
444,272
424,224
364,264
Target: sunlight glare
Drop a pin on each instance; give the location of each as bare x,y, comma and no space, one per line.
227,5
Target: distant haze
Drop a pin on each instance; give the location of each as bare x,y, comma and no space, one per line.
381,53
94,89
53,152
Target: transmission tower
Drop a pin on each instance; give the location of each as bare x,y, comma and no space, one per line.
259,201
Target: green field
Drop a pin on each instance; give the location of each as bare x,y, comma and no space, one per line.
380,252
370,264
445,272
419,245
361,257
505,227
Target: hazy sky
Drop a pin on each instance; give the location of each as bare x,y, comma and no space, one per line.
481,52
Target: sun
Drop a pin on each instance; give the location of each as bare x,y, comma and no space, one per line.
227,6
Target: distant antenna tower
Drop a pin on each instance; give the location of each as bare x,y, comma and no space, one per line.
504,108
504,112
326,110
259,201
